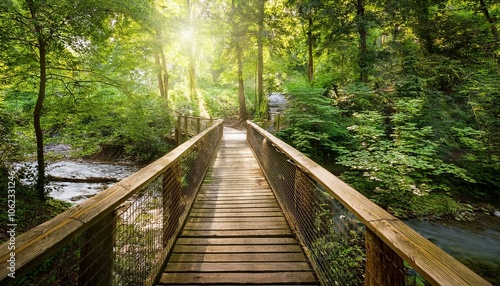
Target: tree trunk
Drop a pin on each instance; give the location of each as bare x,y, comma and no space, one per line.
159,75
192,64
261,104
363,58
192,76
161,67
424,25
165,74
310,49
491,20
241,87
37,113
40,185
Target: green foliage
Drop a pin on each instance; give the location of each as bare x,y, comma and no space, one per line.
221,100
30,210
314,124
395,168
341,249
438,205
113,124
7,144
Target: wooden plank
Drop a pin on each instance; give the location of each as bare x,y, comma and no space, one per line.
236,240
238,206
226,190
238,278
238,257
236,202
233,197
254,194
250,184
236,233
235,225
260,248
235,210
237,267
255,214
254,220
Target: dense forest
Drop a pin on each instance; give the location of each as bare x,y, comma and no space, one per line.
399,98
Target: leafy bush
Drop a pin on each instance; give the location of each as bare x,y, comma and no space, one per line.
314,125
438,205
394,169
7,145
221,101
109,123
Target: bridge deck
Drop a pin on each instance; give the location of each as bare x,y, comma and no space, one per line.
236,232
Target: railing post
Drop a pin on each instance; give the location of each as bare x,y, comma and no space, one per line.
178,131
278,127
171,201
383,265
186,129
96,264
198,125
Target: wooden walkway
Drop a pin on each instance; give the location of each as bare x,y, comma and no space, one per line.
236,232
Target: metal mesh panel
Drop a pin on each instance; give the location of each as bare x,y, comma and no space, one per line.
138,238
188,126
129,246
341,249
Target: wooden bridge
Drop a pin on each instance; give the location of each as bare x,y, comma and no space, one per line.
229,207
236,232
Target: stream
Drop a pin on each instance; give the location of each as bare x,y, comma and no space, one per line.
78,192
477,249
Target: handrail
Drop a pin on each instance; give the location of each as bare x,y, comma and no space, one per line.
435,265
190,125
34,246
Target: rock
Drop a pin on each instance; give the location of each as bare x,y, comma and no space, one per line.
78,198
496,213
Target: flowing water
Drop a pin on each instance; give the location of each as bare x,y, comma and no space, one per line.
477,249
277,104
78,192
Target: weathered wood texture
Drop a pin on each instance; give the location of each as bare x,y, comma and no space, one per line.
236,232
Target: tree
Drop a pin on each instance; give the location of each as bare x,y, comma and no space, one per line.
238,35
362,31
191,50
260,60
309,10
161,66
51,35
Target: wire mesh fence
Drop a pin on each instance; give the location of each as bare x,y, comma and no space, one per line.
188,126
126,243
342,250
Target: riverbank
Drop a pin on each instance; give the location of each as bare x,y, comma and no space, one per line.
473,216
77,179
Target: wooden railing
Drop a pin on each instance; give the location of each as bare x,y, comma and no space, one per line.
188,126
349,239
122,234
